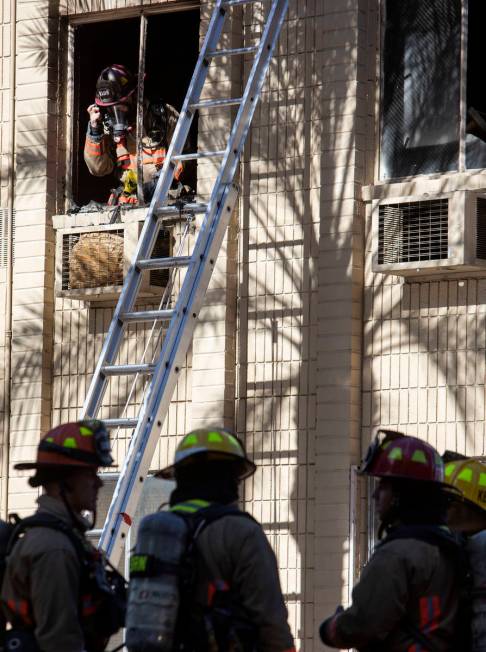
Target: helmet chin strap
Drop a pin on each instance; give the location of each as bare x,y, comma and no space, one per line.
76,518
390,518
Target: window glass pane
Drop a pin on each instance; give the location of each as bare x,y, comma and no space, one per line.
476,89
421,91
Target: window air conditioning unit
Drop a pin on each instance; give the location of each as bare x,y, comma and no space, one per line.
91,261
427,235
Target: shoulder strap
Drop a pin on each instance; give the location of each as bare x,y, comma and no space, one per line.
207,515
49,521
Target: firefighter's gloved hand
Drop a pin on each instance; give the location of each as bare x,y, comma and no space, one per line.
327,630
94,116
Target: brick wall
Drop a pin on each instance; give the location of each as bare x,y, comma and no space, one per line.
35,201
281,330
424,360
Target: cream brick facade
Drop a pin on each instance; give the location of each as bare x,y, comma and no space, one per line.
300,346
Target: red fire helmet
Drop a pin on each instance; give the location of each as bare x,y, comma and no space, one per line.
395,455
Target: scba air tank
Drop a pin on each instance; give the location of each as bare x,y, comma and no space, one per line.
153,598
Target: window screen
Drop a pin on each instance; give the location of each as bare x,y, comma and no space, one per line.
421,93
476,89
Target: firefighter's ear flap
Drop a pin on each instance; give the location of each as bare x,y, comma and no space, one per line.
476,124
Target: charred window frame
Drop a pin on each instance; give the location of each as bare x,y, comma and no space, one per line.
96,42
433,96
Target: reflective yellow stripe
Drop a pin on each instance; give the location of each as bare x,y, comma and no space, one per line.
466,475
449,469
190,506
419,456
198,501
190,440
184,508
395,454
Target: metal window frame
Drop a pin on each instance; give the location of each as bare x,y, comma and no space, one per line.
462,98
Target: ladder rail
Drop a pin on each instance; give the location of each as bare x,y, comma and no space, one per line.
164,301
179,334
150,229
164,380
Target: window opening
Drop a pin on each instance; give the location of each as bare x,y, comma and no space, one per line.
475,90
168,70
421,87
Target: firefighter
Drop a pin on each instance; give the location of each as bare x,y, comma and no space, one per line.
110,144
237,568
467,515
56,592
407,596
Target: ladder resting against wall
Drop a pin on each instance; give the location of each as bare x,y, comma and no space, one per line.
176,324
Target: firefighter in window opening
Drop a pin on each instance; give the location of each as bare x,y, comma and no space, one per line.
58,593
229,598
111,144
467,515
407,598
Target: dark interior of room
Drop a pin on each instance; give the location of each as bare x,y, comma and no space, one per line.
171,53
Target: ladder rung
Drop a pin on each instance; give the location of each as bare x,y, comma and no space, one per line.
233,52
233,3
120,423
196,155
127,369
205,104
175,211
147,315
164,263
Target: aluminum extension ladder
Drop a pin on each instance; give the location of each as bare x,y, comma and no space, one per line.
163,373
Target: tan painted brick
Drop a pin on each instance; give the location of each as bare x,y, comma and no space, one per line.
36,26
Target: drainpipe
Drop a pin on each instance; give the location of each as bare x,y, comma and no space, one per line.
9,270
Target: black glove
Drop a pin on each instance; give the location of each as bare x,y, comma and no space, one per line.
323,629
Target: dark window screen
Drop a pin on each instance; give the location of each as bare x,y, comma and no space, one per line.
476,88
421,59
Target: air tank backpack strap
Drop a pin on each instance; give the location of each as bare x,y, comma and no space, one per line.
218,627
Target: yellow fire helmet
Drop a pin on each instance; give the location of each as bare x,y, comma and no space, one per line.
469,477
210,444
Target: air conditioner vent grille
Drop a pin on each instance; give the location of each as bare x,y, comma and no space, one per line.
413,231
481,228
4,226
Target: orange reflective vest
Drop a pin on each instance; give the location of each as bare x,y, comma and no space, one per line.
127,160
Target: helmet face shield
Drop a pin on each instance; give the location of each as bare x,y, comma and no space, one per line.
101,441
376,446
118,118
